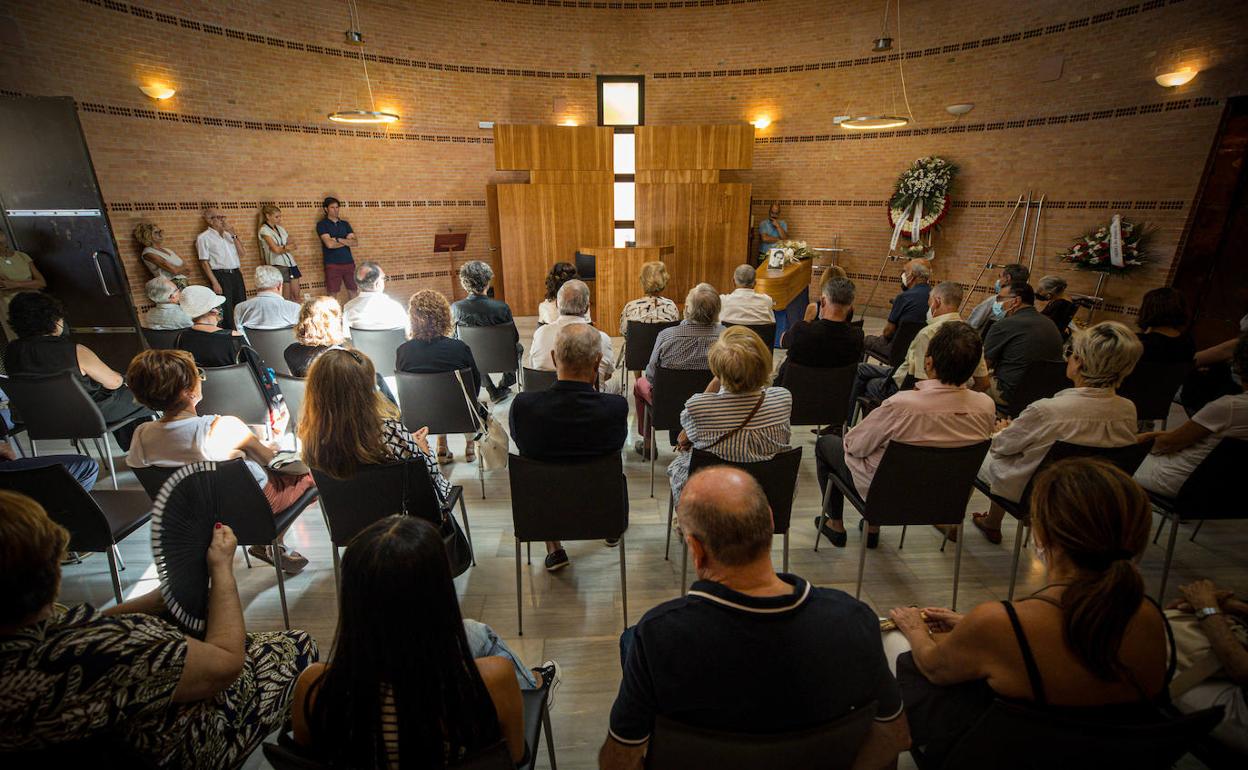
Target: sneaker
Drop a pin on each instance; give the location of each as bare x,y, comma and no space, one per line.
612,542
551,675
557,560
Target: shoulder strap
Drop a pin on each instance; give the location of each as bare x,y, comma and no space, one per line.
757,405
1029,660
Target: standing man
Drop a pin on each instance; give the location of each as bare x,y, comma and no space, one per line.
771,230
337,238
220,249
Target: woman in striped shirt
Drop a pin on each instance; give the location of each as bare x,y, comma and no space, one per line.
738,418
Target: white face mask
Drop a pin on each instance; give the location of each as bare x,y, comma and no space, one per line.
929,315
905,281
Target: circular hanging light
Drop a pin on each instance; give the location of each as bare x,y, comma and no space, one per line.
362,116
876,122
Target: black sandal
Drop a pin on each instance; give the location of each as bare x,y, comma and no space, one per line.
838,539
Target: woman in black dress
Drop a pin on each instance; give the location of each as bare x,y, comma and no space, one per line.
1163,327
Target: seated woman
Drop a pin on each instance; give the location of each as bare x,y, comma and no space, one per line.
43,347
170,382
125,672
652,308
407,689
431,349
560,273
1061,311
1178,452
320,328
1163,321
346,423
1091,413
738,417
210,344
1089,645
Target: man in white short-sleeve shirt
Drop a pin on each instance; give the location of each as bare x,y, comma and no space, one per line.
744,305
219,250
268,309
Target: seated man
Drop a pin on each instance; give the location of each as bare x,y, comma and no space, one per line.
825,338
735,654
83,469
479,309
939,412
573,302
744,305
570,421
167,314
988,310
268,309
1014,342
372,309
910,306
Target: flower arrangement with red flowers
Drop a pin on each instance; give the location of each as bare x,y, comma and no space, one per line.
1091,251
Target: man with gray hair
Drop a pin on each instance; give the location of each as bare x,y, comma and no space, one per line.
372,309
268,309
573,301
684,346
167,314
480,309
220,253
744,305
825,338
571,421
910,306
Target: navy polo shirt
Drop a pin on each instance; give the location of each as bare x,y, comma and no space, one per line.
910,305
726,661
339,229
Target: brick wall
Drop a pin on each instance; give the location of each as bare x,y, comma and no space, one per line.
255,81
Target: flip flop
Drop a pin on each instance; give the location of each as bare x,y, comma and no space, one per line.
993,535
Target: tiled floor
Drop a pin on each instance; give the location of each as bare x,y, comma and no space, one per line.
574,616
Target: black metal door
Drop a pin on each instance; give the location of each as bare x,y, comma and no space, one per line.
52,210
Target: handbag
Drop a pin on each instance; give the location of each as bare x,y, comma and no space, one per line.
458,549
493,441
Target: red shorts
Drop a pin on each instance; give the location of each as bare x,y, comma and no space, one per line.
338,274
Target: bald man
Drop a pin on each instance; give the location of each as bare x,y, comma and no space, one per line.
908,306
220,250
736,653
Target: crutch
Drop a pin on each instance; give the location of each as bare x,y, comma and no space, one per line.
879,277
1031,261
1022,233
988,259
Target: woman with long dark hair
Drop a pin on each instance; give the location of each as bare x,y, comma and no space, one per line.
1088,644
403,688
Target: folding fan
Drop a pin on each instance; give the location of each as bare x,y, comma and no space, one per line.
183,519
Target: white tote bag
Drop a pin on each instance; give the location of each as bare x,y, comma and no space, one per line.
493,443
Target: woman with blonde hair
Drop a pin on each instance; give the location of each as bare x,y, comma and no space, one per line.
160,261
738,417
318,329
278,250
346,423
652,308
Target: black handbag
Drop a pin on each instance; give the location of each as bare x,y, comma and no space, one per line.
458,550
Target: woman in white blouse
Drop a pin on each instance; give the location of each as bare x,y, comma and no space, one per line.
1091,413
161,262
278,250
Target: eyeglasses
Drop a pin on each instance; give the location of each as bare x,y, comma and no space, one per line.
203,376
1068,352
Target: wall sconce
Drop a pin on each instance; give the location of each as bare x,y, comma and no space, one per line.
567,122
761,122
158,91
1176,78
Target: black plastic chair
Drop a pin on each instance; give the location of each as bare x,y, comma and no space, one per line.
1023,737
378,491
638,345
765,332
900,343
1151,387
568,501
1212,492
437,401
381,346
97,521
538,379
820,394
493,347
671,389
271,344
54,407
293,390
831,746
866,404
162,339
1041,379
777,477
1127,458
944,473
233,390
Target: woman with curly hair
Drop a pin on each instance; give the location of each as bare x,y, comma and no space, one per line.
160,261
560,273
320,328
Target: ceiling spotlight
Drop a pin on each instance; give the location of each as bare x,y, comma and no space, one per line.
958,110
1176,78
882,44
761,122
158,91
874,122
355,36
363,116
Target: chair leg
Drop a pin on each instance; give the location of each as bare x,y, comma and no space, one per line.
519,611
481,475
1196,531
671,506
684,567
550,738
957,567
654,454
1160,526
902,543
786,550
1018,547
281,581
1027,538
1165,570
112,568
862,562
246,557
337,569
463,514
112,471
121,564
823,514
623,581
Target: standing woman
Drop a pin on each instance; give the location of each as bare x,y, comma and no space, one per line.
160,261
278,250
17,274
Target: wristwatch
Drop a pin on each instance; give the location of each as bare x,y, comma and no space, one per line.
1207,612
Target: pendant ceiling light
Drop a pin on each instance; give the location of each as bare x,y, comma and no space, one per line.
883,121
868,122
371,116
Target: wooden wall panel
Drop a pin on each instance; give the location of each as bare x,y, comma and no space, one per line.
570,176
695,147
541,224
662,176
618,280
519,148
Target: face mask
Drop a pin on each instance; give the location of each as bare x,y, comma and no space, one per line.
905,282
929,315
996,286
998,310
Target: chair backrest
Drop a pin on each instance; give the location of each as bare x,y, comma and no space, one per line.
233,390
248,512
765,332
820,394
435,401
945,475
1213,491
639,343
539,379
380,345
1151,387
66,502
671,389
293,390
1040,380
1015,735
161,339
905,334
584,500
777,477
153,478
271,344
375,492
831,746
54,406
493,347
